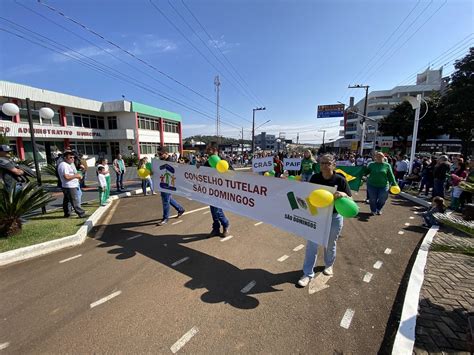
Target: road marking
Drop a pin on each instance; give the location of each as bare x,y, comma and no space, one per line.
388,251
207,212
407,224
368,277
180,261
177,222
318,283
227,238
106,221
184,339
401,232
192,211
299,247
258,223
249,286
105,299
378,264
4,345
416,212
283,258
134,237
411,217
347,319
71,258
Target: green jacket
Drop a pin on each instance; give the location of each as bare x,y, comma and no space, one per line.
307,166
380,175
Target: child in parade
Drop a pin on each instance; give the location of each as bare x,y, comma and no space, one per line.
102,184
437,206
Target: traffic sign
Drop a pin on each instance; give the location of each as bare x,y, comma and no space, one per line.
326,111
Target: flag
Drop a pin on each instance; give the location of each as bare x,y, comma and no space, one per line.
353,174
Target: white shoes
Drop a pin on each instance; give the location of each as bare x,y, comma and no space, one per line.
304,281
328,271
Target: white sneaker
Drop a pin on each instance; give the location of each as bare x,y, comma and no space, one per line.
328,271
304,281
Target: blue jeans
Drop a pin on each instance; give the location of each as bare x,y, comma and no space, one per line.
119,180
377,197
168,200
311,256
218,218
147,182
438,188
306,177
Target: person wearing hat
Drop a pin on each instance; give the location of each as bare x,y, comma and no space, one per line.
9,173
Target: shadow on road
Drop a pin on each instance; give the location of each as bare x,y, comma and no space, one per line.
222,280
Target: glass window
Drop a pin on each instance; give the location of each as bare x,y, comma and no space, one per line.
69,119
86,121
100,123
77,120
4,117
112,122
94,122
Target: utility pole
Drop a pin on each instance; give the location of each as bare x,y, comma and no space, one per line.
324,135
217,83
253,126
242,142
297,138
362,136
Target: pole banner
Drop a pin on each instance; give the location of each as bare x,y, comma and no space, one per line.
281,203
293,164
260,165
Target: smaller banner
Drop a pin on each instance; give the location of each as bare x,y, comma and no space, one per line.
353,174
325,111
292,164
260,165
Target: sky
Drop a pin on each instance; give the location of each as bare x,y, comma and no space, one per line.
285,55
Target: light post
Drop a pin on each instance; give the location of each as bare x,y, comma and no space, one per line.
416,104
253,125
362,136
324,135
278,145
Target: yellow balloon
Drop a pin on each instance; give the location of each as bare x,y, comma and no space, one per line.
298,177
266,173
395,189
143,173
222,166
321,198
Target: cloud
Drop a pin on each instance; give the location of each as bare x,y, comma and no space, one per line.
23,69
88,51
223,45
163,45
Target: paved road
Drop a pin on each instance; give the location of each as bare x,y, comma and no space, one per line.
140,288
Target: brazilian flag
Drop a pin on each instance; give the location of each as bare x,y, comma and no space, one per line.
353,174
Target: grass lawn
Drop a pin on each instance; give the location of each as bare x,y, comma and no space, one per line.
41,228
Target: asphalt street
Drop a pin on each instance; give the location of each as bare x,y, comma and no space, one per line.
135,287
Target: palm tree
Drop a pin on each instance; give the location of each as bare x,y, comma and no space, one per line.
15,203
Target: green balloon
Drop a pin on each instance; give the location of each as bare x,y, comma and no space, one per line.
291,177
213,160
346,207
148,166
272,172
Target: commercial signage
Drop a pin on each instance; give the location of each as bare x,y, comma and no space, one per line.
326,111
281,203
292,164
260,165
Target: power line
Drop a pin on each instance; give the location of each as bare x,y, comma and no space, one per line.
76,22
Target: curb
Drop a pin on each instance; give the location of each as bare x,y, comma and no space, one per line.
415,199
33,251
405,338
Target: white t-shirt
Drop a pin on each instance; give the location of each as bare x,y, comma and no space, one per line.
401,165
102,181
68,169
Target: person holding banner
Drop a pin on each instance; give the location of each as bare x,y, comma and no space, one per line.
218,216
307,166
327,177
380,179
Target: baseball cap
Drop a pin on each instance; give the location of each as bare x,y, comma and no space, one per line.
5,148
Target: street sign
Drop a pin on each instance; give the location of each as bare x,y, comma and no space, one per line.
326,111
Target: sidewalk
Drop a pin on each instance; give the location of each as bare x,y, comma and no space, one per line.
447,296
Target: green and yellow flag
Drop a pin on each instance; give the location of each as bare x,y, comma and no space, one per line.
353,174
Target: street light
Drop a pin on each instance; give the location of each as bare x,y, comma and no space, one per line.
278,145
415,104
253,125
366,87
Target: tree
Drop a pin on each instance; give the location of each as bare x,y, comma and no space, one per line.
457,106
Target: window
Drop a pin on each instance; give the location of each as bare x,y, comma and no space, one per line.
172,147
114,148
101,122
149,123
170,127
149,148
112,122
89,148
86,121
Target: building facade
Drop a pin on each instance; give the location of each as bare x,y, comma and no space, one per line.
380,104
96,129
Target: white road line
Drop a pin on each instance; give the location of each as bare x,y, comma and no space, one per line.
134,237
347,319
299,247
388,251
4,345
411,217
401,232
106,221
105,299
368,277
227,238
180,261
416,212
184,339
283,258
192,211
378,264
258,223
318,283
177,222
207,212
407,224
71,258
249,286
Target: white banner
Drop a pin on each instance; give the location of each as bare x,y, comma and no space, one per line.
292,164
281,203
260,165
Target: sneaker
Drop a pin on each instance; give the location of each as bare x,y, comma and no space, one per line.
180,213
328,271
304,281
374,213
225,233
162,222
367,201
379,213
214,233
154,193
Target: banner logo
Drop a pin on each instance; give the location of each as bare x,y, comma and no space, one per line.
167,179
